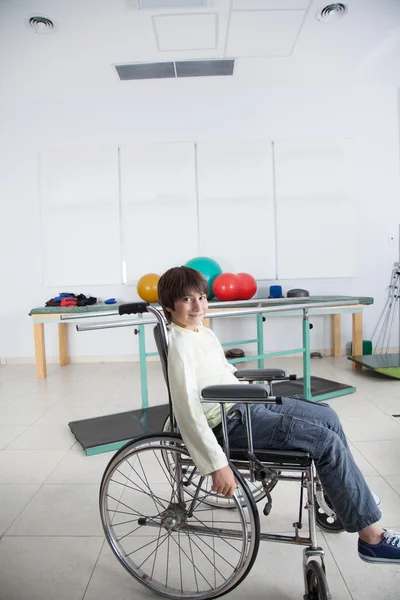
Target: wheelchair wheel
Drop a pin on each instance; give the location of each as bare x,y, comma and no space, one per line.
317,585
256,487
170,541
325,515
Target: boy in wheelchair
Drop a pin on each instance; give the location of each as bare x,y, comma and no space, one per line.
196,360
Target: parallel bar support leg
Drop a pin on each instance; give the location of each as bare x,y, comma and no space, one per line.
260,340
306,357
336,335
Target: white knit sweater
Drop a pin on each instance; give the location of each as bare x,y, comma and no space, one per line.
195,360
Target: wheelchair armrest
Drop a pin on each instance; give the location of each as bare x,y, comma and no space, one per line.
263,375
233,392
238,393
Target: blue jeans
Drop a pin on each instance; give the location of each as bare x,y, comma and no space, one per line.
315,428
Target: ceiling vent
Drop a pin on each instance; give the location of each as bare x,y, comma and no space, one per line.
164,70
166,4
204,68
332,12
40,24
172,70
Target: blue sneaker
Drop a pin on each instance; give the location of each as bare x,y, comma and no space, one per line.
387,551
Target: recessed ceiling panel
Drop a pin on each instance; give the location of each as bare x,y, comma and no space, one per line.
264,32
186,32
270,4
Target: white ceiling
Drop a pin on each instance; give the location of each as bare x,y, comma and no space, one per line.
275,41
186,32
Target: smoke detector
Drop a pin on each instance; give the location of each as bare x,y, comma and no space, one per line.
40,24
332,12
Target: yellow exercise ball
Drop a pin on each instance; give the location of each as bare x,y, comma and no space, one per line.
147,287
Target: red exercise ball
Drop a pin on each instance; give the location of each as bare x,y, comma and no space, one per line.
226,287
247,286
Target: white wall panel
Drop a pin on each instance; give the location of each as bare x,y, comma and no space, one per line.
315,208
158,207
80,216
236,205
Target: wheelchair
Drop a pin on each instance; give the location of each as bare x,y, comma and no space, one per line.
177,537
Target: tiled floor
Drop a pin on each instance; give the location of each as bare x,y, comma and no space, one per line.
52,546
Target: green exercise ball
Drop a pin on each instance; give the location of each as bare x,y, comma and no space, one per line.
208,267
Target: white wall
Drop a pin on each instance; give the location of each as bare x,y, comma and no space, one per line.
38,117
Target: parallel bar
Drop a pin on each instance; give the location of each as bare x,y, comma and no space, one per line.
217,314
265,310
91,315
233,303
239,342
114,324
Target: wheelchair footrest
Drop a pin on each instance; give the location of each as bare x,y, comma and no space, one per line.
275,457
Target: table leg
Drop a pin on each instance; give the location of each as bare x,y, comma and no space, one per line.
40,350
63,344
336,335
357,338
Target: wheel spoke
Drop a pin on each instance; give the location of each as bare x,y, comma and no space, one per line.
147,483
194,570
145,546
137,488
213,530
132,511
195,533
155,555
205,555
197,569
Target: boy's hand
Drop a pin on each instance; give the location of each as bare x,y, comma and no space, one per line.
224,482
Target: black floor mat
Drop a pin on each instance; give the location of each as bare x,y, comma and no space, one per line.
100,431
110,429
319,386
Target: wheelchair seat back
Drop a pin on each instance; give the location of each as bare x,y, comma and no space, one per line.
160,337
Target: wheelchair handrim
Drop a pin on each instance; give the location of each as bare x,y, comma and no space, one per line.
249,543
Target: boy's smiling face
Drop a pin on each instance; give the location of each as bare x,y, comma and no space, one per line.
190,310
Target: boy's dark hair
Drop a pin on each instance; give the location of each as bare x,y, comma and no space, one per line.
177,283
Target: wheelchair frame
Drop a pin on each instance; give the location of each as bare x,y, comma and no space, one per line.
262,468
